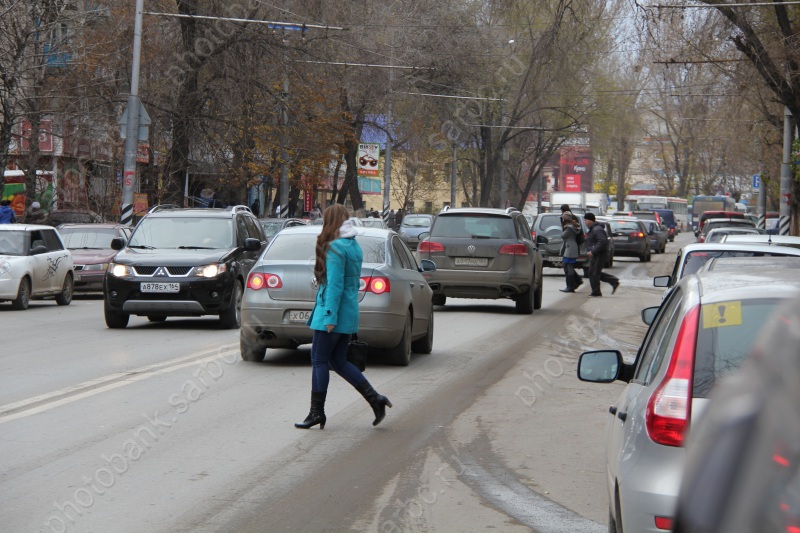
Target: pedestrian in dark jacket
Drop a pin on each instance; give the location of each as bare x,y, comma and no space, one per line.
7,215
597,250
334,318
570,251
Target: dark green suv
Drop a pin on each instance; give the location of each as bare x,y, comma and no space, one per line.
183,262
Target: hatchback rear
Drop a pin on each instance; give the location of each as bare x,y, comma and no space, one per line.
630,238
703,330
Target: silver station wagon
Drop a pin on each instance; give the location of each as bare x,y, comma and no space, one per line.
396,313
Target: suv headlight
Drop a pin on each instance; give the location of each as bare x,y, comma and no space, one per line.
120,271
211,271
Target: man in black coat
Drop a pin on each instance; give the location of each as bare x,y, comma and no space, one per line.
597,249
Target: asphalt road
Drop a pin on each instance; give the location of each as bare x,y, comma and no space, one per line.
162,427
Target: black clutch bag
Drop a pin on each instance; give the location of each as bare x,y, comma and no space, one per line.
357,353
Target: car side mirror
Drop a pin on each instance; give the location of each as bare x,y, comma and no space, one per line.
649,314
426,265
38,250
117,243
602,366
252,245
541,239
661,281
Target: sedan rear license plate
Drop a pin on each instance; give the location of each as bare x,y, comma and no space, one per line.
556,259
472,261
621,238
299,316
160,287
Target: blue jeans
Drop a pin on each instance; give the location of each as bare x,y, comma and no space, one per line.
329,351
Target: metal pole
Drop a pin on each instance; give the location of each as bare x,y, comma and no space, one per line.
132,129
786,173
387,171
762,202
284,213
453,179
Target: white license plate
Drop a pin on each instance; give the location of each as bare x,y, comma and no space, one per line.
160,287
299,316
620,238
472,261
556,259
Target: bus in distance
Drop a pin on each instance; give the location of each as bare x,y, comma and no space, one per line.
701,204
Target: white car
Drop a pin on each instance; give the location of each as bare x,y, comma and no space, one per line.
34,263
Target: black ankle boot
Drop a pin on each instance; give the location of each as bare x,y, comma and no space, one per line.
376,401
317,413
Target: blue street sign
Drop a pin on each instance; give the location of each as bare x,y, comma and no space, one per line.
756,181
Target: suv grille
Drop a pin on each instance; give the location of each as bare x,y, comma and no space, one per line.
168,271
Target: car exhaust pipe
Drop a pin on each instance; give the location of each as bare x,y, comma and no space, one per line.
266,335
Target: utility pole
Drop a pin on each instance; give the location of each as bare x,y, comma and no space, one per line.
786,173
387,171
284,113
132,126
453,179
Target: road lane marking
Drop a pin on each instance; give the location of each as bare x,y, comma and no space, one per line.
44,402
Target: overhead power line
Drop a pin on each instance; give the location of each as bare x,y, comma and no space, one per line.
714,6
453,96
401,67
276,25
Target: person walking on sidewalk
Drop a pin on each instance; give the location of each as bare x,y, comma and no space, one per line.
7,215
570,251
597,249
334,318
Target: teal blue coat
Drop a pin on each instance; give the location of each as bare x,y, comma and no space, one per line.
337,299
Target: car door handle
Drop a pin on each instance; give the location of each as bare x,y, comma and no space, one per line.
622,416
612,409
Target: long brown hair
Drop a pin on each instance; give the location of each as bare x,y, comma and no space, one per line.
332,219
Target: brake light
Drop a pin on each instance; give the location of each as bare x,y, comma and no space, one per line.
637,235
533,235
430,246
259,280
667,417
374,284
664,522
513,249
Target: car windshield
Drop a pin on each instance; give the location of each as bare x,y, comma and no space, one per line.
87,238
645,216
271,227
416,221
624,226
12,242
726,334
301,247
694,261
180,232
474,226
713,224
372,222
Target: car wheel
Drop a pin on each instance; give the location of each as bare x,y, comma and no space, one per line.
664,247
400,355
23,298
154,318
438,298
649,256
537,297
254,353
643,257
231,318
612,525
65,296
425,344
525,301
115,320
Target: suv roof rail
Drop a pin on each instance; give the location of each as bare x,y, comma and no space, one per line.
237,208
162,207
445,208
510,210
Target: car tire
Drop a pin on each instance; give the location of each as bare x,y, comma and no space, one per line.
649,256
231,318
524,301
643,258
20,303
253,353
537,297
425,344
438,298
65,296
612,525
154,318
115,320
400,355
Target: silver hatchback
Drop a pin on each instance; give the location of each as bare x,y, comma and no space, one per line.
702,331
396,313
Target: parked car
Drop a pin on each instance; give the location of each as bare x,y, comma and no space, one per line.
772,240
658,236
90,246
630,238
715,223
183,262
413,226
693,257
34,263
483,253
396,312
719,234
741,471
272,226
702,331
373,222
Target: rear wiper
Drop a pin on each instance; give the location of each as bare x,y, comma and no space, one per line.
480,236
143,246
195,248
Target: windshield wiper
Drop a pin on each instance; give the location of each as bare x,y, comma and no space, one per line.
481,236
143,246
195,248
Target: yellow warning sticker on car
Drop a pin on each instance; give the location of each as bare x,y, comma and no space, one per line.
722,314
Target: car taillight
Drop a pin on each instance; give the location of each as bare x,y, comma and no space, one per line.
430,246
513,249
664,522
259,280
668,409
637,235
374,284
533,235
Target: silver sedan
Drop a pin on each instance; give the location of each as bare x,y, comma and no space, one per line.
396,313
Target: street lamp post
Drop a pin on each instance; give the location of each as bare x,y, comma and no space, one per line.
132,126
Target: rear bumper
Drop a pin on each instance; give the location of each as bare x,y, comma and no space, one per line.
479,284
630,249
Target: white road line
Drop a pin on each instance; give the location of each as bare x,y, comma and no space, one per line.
95,386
